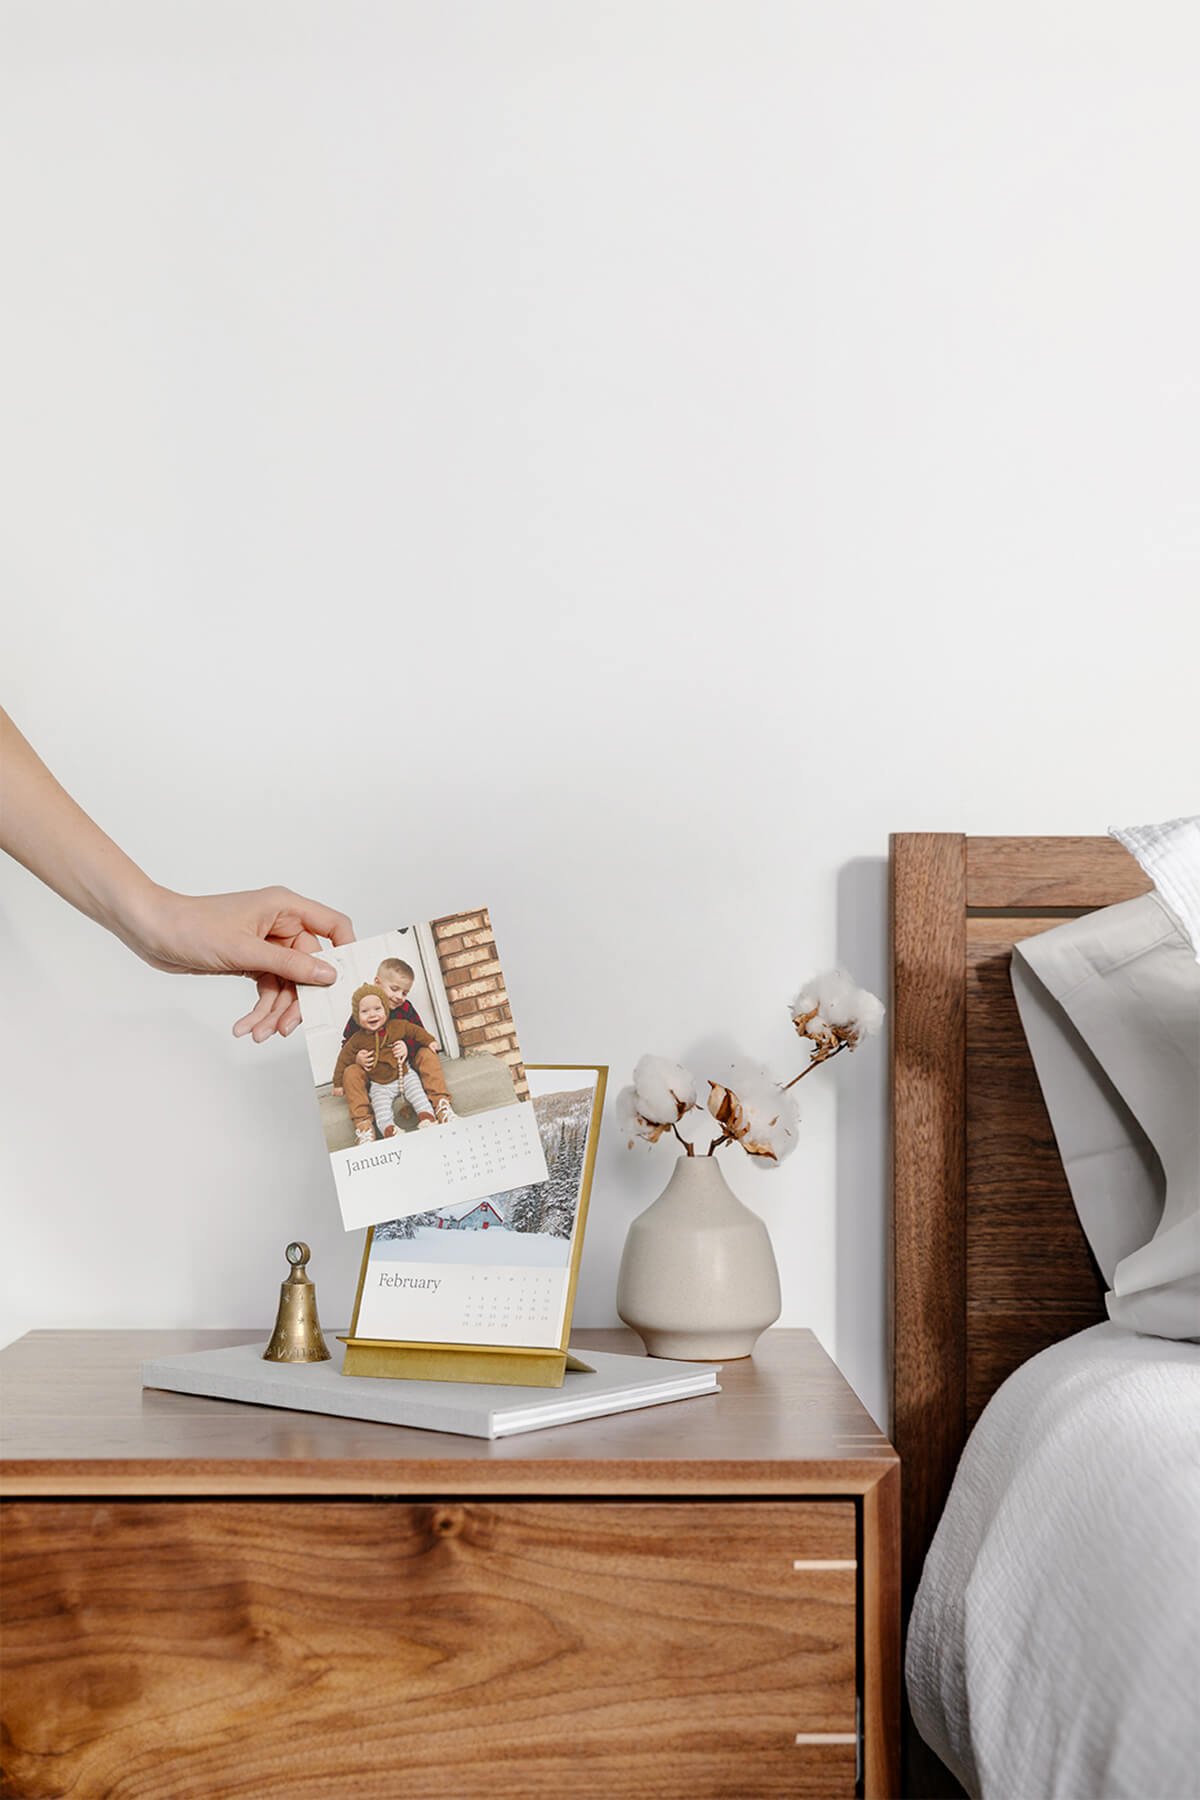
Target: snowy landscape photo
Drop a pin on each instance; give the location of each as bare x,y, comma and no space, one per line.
497,1270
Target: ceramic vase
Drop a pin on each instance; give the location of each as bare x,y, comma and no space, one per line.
698,1278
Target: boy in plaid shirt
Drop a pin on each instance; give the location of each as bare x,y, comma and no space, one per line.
396,979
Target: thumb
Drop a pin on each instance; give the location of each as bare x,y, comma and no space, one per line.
265,958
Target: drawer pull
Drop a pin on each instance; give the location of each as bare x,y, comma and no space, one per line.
827,1737
828,1563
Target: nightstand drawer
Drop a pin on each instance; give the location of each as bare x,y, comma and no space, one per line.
512,1650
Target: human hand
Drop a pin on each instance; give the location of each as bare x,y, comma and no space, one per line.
269,935
338,1092
434,1045
365,1059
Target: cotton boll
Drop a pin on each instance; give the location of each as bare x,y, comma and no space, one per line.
806,1015
632,1127
863,1016
726,1109
844,1003
838,996
756,1112
664,1090
869,1013
772,1125
823,1002
813,996
840,1010
625,1114
822,1033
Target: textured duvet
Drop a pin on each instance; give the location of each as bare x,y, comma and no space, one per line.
1054,1648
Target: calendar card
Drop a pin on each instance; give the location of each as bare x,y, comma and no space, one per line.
498,1271
422,1093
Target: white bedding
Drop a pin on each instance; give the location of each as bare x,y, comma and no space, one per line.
1054,1647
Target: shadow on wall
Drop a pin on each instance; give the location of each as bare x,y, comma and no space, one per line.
861,1317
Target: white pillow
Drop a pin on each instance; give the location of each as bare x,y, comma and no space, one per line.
1170,855
1111,1007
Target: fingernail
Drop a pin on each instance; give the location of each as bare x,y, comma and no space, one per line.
323,972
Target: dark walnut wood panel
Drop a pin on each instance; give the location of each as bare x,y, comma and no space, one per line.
988,1259
1031,1277
989,1264
1024,1239
1002,1339
880,1574
452,1650
927,1024
1067,873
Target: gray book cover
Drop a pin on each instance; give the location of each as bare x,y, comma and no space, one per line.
613,1384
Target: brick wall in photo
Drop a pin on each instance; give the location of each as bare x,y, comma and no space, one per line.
483,1020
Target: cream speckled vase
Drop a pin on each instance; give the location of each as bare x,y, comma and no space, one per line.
698,1276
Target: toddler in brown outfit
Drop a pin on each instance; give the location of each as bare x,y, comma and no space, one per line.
396,979
377,1048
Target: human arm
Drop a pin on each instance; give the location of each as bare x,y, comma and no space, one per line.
268,935
401,1029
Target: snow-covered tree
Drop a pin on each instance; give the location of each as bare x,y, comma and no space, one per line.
549,1206
395,1229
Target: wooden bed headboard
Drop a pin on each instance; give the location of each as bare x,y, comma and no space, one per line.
989,1262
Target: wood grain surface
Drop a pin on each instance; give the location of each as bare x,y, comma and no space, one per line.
881,1625
1066,873
76,1420
432,1650
1031,1277
989,1264
463,1637
928,1050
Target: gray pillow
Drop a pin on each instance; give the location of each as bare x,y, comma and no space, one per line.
1110,1004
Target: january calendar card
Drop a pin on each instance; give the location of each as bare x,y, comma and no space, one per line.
422,1093
473,1290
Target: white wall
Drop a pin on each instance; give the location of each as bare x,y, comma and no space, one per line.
778,420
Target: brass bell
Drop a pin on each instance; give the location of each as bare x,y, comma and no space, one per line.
297,1335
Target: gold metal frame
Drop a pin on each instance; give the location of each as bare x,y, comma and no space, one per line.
514,1365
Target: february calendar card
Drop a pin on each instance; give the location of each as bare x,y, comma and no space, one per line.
423,1096
499,1272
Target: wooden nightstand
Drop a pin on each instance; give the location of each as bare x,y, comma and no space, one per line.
209,1600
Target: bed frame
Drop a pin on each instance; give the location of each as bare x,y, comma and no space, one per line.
989,1263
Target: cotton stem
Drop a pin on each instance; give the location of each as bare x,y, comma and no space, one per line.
813,1064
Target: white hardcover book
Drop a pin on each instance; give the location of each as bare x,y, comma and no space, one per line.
612,1384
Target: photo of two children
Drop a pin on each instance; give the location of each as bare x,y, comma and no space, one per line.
415,1033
